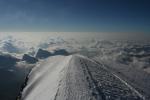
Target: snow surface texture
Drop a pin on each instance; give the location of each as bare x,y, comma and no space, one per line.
128,59
75,78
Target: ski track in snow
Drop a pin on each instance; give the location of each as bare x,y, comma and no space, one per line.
76,78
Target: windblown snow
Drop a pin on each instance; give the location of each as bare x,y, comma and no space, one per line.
75,77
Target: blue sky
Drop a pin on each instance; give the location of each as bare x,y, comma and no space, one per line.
75,15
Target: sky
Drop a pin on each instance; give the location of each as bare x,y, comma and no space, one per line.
75,16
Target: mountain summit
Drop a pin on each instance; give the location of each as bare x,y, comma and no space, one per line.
75,77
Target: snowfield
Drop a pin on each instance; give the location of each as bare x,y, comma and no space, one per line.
75,77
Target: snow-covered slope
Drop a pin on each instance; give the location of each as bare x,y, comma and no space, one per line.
44,79
75,77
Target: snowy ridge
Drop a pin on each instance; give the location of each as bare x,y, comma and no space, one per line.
44,79
75,78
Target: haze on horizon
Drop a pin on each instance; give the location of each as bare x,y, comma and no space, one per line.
40,36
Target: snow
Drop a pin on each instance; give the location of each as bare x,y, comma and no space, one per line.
44,79
75,77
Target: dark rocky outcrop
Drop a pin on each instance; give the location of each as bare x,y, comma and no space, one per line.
41,54
61,52
29,59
